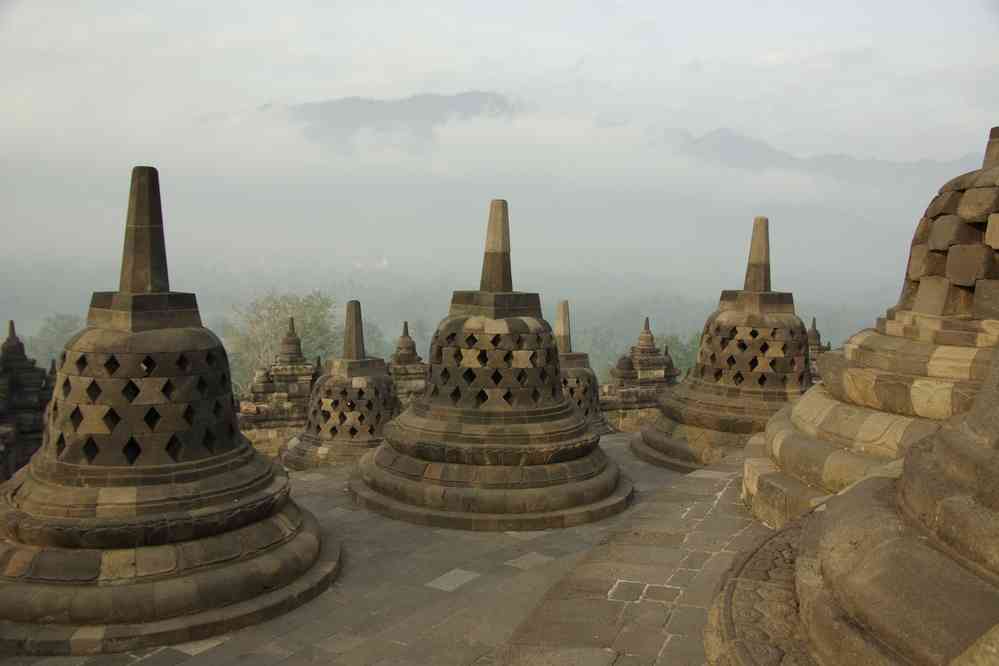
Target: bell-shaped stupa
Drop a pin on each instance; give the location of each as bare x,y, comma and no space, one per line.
409,372
630,401
752,360
493,444
146,517
349,406
892,385
279,397
25,389
579,382
815,349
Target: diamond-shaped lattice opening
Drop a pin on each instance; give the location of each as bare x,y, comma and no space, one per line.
468,375
151,418
713,358
481,397
445,376
783,379
483,357
371,430
737,378
210,358
456,355
717,328
111,419
543,375
732,332
148,365
343,393
202,385
360,393
62,359
188,414
730,361
724,343
130,391
333,431
554,391
208,441
168,389
703,370
773,364
496,340
350,405
76,418
326,415
471,340
223,380
370,404
572,391
762,380
801,378
342,418
335,403
361,418
764,348
793,362
718,375
93,391
378,417
66,388
217,409
535,396
173,448
434,391
742,345
60,445
519,342
131,450
754,333
183,363
508,397
455,395
753,363
522,377
450,338
90,449
112,365
497,377
534,359
81,363
353,431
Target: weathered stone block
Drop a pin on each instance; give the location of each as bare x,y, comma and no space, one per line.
944,203
952,230
923,262
986,305
966,264
938,296
978,203
922,233
992,232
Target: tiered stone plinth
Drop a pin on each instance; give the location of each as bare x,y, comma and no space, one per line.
752,360
630,401
146,517
579,382
493,444
890,386
408,371
815,350
24,392
349,405
279,404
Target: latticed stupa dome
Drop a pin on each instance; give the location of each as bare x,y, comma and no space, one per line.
579,382
408,371
752,359
493,444
893,385
144,489
349,405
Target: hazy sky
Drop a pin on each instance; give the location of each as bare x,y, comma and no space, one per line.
586,115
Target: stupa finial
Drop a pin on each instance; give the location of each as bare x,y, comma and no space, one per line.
814,327
291,326
405,329
353,333
496,274
11,330
563,329
646,327
758,267
992,150
143,262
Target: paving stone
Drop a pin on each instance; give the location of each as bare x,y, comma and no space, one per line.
687,621
683,651
682,577
626,591
695,559
646,613
640,640
529,561
519,655
452,580
662,593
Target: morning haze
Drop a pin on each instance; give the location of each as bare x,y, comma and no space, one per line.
634,141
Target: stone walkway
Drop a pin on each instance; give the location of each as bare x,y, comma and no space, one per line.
633,589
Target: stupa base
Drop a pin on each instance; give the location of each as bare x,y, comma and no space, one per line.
592,503
301,456
212,587
684,448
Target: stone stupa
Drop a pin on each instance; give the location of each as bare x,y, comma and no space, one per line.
279,397
409,372
890,386
638,380
146,517
579,382
25,390
902,568
493,444
752,360
349,406
815,349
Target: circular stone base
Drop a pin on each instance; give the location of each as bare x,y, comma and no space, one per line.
67,639
302,456
497,522
650,455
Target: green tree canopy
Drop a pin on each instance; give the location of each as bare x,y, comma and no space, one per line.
50,339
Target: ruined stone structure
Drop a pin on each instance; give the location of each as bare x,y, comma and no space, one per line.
752,360
349,406
409,372
146,517
815,349
279,403
638,380
902,568
24,392
493,444
579,382
893,385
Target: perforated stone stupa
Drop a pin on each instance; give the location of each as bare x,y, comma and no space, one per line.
752,360
146,517
579,382
279,397
815,349
349,406
894,384
638,380
493,444
25,390
409,372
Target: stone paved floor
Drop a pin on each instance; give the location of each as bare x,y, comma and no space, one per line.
633,589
